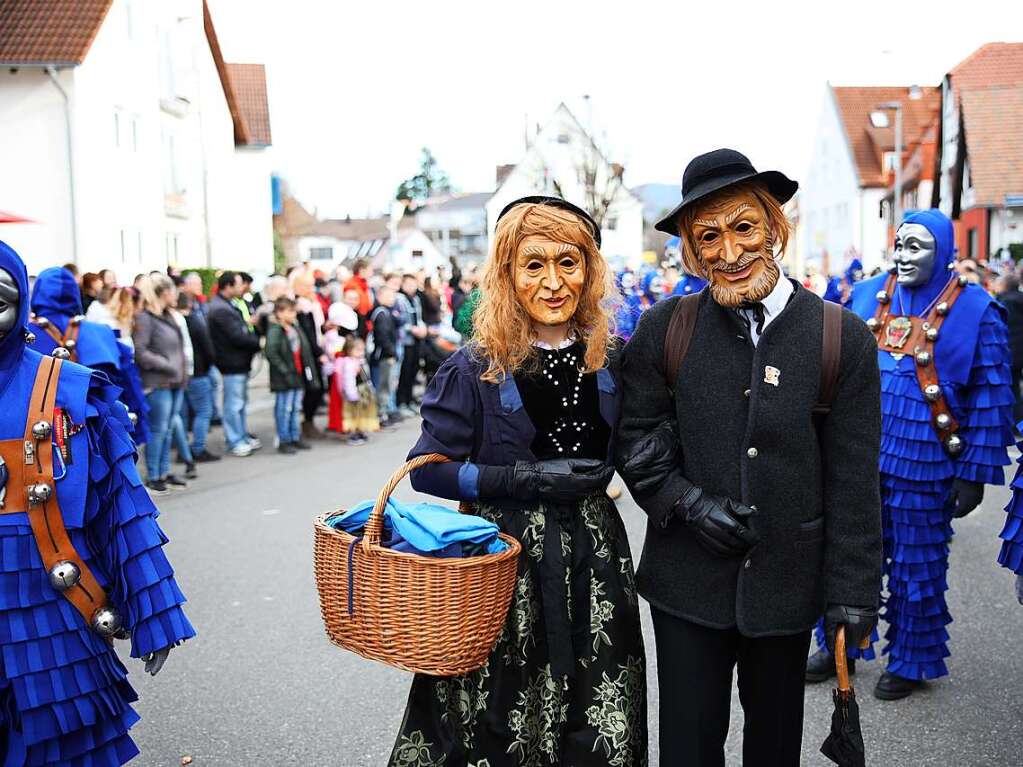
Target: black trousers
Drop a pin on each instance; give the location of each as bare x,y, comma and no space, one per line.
407,374
694,676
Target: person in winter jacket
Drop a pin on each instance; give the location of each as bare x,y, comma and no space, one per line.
291,359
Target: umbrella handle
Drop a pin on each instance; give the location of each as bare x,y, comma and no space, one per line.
841,666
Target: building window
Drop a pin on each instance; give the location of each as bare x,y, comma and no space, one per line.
124,247
134,134
321,253
971,243
888,161
564,138
879,119
610,223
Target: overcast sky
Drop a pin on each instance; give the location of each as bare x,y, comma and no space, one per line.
358,87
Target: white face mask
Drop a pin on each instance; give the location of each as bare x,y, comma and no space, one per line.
10,301
915,253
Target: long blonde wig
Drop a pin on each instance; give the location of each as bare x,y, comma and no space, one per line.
502,327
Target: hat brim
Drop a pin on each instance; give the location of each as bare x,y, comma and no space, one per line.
781,187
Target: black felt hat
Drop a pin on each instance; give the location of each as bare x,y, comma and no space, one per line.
555,202
713,171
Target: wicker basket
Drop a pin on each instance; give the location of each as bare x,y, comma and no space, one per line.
430,615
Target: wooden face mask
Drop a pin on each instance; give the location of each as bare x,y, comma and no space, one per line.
734,244
549,279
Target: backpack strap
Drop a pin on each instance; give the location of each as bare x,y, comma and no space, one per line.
831,354
679,335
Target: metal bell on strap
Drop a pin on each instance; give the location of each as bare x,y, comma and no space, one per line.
30,337
882,297
41,430
931,334
923,359
941,309
133,417
40,492
77,319
42,322
954,444
61,353
963,282
106,622
70,344
64,575
932,392
944,420
873,324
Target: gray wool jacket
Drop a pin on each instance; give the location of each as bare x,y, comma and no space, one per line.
159,351
815,487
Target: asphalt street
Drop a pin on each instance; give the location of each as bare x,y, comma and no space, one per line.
262,685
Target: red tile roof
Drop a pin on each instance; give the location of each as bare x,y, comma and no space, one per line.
53,32
993,120
241,130
249,82
868,143
990,65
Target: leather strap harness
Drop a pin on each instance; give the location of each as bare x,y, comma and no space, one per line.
900,335
31,488
69,340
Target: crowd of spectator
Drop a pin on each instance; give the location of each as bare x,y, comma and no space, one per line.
356,345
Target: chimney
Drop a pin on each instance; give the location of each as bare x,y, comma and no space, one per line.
503,171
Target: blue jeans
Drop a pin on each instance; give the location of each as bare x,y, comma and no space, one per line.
164,405
216,384
200,400
287,406
236,401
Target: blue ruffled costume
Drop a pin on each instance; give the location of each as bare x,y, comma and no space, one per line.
971,356
64,695
1011,553
56,297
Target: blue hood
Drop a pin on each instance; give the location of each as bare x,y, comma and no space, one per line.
915,300
56,296
854,273
13,344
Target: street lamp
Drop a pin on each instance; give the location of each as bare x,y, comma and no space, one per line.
897,208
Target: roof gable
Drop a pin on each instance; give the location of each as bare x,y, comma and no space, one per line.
249,84
990,65
49,32
993,119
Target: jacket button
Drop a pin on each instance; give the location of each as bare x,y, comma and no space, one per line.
746,393
749,564
752,452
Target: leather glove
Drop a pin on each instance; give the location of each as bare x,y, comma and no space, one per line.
968,497
1019,588
154,661
561,480
645,464
858,622
721,524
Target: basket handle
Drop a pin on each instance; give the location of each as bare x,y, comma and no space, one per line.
375,523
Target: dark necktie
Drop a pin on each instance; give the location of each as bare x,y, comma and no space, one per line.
758,313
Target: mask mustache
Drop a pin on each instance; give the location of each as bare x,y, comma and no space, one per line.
741,265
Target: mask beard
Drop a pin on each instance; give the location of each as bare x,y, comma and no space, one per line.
730,298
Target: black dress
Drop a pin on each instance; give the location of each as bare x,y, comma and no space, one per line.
566,682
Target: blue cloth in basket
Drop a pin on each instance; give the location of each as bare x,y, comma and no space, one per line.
426,528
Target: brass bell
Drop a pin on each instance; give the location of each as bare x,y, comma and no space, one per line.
40,492
61,353
106,622
77,319
941,309
954,445
30,337
134,418
932,392
963,282
873,324
923,359
70,344
931,334
41,430
64,575
944,420
882,297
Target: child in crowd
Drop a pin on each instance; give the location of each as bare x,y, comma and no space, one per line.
385,354
290,356
353,384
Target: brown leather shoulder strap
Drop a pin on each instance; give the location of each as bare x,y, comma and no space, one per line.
679,335
58,553
831,355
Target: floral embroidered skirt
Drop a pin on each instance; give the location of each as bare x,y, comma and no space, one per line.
566,682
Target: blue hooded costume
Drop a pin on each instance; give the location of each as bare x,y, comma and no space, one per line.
64,695
55,297
1011,553
971,358
835,291
630,309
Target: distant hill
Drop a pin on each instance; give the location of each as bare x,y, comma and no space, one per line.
657,199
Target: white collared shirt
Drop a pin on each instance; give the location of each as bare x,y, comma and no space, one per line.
774,303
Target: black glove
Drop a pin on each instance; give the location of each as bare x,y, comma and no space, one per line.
858,622
562,480
721,524
645,464
968,496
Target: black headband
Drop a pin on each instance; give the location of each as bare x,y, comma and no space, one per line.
555,202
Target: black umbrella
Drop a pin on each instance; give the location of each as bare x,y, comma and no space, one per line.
844,746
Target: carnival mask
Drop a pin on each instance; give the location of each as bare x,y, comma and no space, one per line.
915,252
549,278
10,299
733,241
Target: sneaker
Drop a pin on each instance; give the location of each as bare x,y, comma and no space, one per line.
241,450
254,442
300,445
205,457
357,439
287,448
175,483
407,411
157,488
190,472
821,666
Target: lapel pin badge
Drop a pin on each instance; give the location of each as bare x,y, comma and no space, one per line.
771,375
